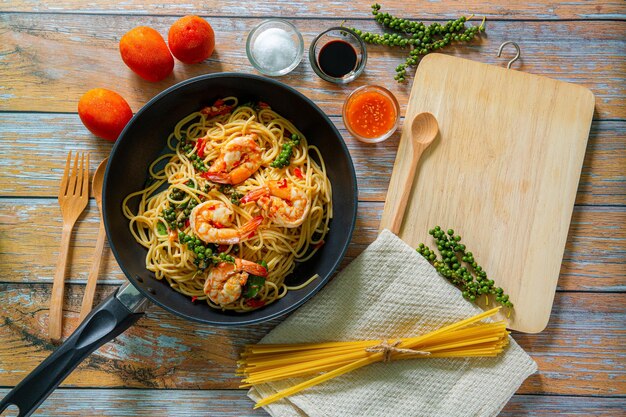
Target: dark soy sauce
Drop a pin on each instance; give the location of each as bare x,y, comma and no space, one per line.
337,58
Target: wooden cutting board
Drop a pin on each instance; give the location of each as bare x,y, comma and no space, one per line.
503,173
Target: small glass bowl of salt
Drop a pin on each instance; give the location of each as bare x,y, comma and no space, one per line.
275,47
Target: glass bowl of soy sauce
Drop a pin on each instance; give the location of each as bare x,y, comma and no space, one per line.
338,55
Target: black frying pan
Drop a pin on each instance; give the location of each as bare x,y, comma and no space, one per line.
139,144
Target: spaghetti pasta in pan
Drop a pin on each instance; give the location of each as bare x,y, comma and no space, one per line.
237,202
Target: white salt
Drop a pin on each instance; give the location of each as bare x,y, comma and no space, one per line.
274,49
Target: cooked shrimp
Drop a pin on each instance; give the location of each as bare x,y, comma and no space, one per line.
211,221
284,203
224,283
239,159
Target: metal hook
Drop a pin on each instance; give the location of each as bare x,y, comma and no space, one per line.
516,56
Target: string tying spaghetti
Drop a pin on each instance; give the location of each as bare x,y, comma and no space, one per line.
388,349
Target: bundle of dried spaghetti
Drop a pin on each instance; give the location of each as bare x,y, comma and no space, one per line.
467,338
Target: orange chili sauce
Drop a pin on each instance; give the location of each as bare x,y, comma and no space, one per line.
371,114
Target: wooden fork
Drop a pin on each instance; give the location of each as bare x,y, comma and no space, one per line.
73,198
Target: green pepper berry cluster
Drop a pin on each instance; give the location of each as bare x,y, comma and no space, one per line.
230,191
196,160
173,218
420,38
177,214
284,157
205,254
223,257
471,279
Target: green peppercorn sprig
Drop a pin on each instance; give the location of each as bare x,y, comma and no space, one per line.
177,214
223,257
230,191
205,254
189,150
286,153
235,198
471,278
422,39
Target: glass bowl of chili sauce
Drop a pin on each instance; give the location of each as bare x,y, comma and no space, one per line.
371,113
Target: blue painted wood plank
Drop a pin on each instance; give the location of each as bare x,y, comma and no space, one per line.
355,9
49,137
594,259
581,352
235,403
48,63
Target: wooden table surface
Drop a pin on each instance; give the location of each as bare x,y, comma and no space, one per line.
50,54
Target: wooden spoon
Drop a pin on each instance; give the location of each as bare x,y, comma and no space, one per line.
424,129
90,289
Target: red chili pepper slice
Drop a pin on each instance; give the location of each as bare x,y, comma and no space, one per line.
200,147
222,248
193,299
224,110
253,302
298,173
263,105
187,223
319,245
218,108
283,183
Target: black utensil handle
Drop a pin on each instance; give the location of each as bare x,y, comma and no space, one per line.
112,317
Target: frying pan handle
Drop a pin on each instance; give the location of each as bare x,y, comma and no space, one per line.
114,315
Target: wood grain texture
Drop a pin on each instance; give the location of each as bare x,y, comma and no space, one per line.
146,403
595,254
579,353
51,52
514,9
235,403
505,166
71,402
49,61
94,272
50,136
161,351
419,132
563,406
73,199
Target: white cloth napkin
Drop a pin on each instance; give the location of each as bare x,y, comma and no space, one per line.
391,291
